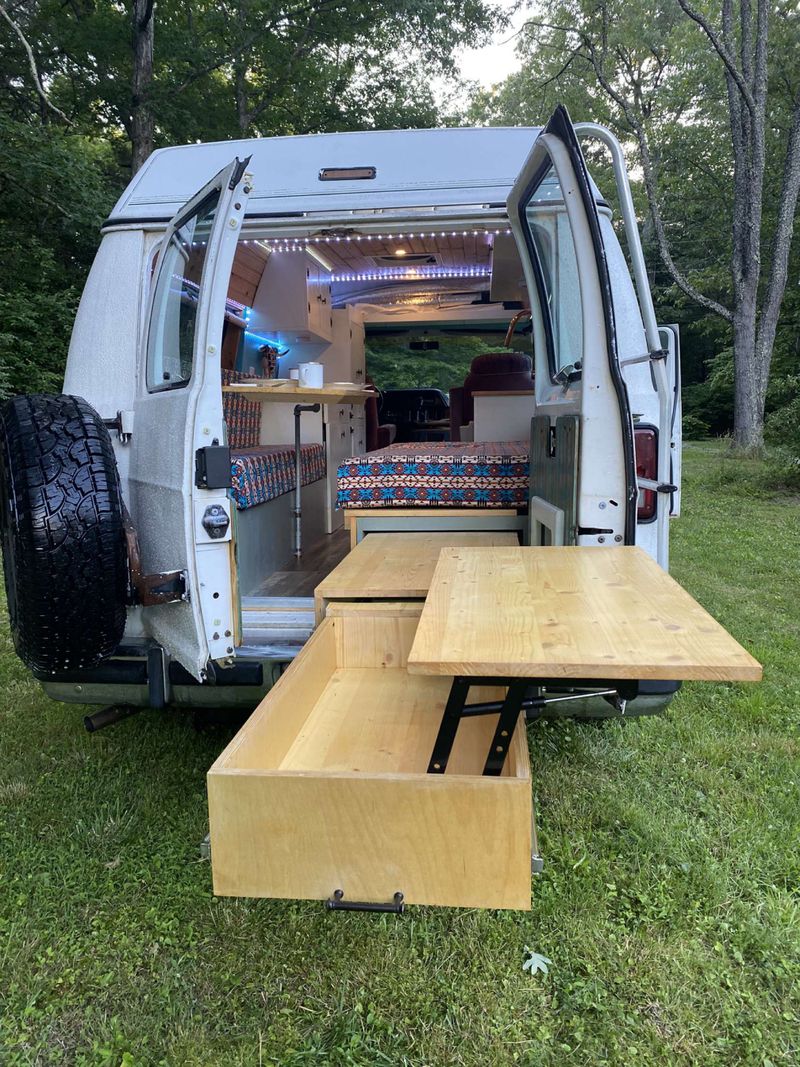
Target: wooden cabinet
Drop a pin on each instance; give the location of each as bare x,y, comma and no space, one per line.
345,436
320,311
325,787
344,358
293,302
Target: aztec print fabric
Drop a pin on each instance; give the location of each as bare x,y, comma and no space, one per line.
242,416
263,473
479,474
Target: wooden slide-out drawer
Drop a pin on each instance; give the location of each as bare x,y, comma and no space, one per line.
325,786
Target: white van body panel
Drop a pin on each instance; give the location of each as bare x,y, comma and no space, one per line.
418,172
102,365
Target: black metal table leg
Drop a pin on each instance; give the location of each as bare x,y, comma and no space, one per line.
506,724
443,746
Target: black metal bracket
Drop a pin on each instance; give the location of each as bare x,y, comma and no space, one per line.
338,903
212,467
516,700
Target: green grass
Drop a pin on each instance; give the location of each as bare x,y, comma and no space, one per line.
669,904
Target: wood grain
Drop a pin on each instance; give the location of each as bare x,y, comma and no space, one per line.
608,613
396,565
373,608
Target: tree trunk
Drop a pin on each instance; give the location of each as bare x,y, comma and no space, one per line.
240,71
142,121
749,379
240,93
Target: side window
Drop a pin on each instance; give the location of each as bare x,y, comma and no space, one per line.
170,336
552,250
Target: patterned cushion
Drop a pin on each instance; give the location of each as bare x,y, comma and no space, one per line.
479,474
243,416
265,472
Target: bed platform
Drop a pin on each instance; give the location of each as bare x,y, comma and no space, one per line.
437,474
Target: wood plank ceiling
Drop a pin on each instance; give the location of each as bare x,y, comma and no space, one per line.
457,251
248,266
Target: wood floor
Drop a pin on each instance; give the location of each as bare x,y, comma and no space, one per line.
300,577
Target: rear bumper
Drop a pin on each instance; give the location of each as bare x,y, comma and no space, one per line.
145,677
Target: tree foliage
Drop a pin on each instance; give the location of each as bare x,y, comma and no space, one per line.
654,71
75,115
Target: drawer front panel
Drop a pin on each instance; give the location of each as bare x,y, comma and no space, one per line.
458,841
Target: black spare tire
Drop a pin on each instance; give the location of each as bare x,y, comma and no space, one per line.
61,516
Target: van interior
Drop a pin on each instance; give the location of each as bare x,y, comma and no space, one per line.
421,318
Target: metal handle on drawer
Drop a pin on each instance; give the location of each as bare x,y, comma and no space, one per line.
338,903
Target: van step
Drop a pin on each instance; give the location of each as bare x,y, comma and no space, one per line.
275,627
282,650
283,635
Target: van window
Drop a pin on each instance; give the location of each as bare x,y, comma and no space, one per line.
170,337
552,249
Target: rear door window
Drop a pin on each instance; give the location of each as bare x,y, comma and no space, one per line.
173,318
552,249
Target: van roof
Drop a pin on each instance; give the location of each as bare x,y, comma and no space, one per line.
413,168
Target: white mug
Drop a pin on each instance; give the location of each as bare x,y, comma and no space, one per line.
311,375
294,374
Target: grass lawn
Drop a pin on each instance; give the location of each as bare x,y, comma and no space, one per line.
668,907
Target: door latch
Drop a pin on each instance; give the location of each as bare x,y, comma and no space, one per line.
215,521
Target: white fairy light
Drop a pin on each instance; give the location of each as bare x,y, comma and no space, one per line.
298,243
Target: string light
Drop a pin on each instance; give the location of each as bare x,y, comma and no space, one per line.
298,244
411,274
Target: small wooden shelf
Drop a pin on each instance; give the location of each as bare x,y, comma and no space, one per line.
297,394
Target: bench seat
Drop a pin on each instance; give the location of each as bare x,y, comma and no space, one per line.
263,472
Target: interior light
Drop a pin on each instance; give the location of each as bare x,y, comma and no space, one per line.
400,252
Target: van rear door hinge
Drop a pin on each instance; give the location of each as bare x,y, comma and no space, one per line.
148,590
123,424
167,587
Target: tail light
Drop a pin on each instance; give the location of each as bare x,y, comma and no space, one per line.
646,441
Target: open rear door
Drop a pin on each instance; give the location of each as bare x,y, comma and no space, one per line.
180,470
553,214
671,343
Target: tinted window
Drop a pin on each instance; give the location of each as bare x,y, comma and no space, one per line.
553,250
170,338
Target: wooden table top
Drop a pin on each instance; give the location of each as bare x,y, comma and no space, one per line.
605,613
398,565
291,392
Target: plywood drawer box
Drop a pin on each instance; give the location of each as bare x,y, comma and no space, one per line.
325,787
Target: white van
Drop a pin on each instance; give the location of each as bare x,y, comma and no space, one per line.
137,573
